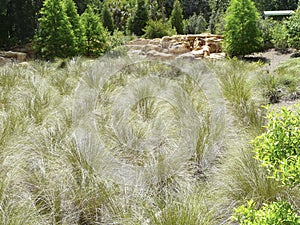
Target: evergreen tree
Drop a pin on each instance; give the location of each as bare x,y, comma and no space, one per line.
106,17
95,34
55,37
139,19
176,17
242,34
216,20
196,24
77,27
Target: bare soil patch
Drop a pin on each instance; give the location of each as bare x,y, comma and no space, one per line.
272,58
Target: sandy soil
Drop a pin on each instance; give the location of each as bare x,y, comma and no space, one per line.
271,58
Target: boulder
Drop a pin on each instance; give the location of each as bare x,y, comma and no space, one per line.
215,45
190,46
178,49
217,56
17,56
160,55
188,55
149,47
134,47
198,42
155,41
198,53
206,50
139,41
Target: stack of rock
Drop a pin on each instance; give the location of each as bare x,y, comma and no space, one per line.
17,55
179,46
11,57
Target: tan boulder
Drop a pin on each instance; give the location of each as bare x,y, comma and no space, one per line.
149,47
206,50
190,46
160,55
217,56
180,48
134,47
18,56
155,41
198,53
188,55
139,41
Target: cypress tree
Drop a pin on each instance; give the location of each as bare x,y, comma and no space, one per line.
55,37
106,18
242,34
95,34
139,19
77,27
176,17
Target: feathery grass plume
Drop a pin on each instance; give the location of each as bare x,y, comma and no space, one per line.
271,88
129,141
188,206
151,122
234,78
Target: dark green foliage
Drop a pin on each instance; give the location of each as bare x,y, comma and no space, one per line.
242,34
278,148
191,6
121,10
277,213
293,28
196,24
158,29
55,37
176,17
106,18
78,30
216,20
95,34
265,5
138,21
82,5
17,21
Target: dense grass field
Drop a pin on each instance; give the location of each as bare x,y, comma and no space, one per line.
135,141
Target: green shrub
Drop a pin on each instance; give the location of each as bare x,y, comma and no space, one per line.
158,29
279,36
242,33
77,27
266,26
95,33
293,27
116,44
276,213
55,37
278,148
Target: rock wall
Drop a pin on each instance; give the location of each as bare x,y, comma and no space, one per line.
179,46
14,57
